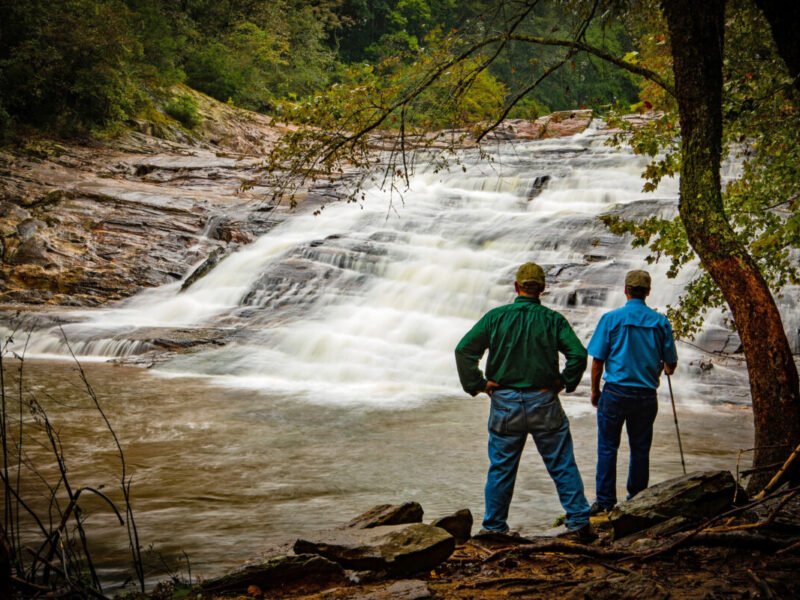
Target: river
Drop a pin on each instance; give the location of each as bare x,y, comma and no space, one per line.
336,388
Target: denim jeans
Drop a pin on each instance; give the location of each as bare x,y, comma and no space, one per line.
515,414
637,408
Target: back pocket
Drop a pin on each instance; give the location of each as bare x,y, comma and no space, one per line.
506,417
548,416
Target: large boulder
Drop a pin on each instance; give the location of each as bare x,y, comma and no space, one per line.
278,571
695,497
388,514
394,548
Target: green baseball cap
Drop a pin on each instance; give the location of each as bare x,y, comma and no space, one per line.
638,279
530,273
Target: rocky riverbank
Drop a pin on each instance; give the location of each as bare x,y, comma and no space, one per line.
696,536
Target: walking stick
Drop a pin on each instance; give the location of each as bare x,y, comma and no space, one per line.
677,429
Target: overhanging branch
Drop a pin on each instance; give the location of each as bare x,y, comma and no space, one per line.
600,53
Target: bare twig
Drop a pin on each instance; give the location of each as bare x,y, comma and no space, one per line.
133,534
557,545
685,538
777,478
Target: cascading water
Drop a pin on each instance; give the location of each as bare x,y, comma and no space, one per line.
355,304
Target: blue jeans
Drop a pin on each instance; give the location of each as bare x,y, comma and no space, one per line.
637,408
515,414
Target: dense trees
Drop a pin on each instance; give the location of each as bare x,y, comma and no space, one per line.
69,66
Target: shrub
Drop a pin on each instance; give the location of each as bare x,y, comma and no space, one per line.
184,110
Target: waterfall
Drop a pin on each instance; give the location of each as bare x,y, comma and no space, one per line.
364,304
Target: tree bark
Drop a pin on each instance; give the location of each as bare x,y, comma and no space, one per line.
696,31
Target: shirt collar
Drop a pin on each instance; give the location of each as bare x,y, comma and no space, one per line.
530,299
635,301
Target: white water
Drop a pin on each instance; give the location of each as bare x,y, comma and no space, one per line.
364,305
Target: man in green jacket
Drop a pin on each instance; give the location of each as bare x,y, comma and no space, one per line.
522,379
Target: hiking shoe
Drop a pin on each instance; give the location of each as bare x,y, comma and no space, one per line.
509,533
596,509
584,535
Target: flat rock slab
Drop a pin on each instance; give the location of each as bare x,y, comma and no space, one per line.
388,514
400,590
279,571
695,496
459,524
395,548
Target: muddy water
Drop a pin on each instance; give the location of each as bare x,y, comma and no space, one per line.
221,473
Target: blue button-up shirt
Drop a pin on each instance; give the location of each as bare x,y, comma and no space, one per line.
633,341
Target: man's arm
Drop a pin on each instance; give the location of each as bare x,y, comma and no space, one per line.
668,353
597,373
570,346
468,353
599,348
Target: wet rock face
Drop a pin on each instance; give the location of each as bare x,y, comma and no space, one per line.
393,548
102,222
695,496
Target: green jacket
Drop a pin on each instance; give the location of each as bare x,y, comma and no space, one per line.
524,339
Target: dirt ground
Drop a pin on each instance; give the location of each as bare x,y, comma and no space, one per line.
705,569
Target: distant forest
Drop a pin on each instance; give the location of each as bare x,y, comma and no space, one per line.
73,67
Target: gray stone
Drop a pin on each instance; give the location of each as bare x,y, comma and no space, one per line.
459,524
29,227
9,210
395,548
400,590
388,514
695,496
279,571
204,268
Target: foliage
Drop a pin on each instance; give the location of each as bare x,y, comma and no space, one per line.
447,85
71,66
276,53
184,109
66,64
762,130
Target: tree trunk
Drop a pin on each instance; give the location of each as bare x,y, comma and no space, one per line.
696,30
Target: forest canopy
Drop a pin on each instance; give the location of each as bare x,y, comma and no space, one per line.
71,67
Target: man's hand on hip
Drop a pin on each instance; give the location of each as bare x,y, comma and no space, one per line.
490,387
595,398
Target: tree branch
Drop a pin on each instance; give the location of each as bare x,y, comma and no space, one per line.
600,53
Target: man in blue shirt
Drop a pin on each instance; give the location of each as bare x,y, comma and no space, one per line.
632,344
